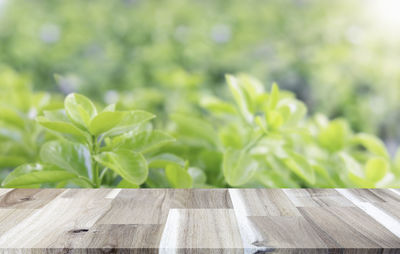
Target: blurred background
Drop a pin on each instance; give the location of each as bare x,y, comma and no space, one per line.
340,57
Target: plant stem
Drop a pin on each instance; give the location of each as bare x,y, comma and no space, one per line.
254,142
95,165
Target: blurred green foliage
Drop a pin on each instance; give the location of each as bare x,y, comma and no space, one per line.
20,136
170,58
327,52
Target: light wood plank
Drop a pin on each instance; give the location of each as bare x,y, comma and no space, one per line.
9,218
287,233
363,195
266,202
131,236
349,227
151,206
370,208
200,221
144,206
28,198
387,195
317,198
201,229
50,226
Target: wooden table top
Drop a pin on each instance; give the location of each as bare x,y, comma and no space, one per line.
200,221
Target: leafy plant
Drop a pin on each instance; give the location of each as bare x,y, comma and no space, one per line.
258,139
94,148
265,139
20,136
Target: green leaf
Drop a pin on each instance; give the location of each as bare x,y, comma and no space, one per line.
372,144
198,175
351,165
274,120
11,116
238,167
253,87
234,136
80,109
131,121
146,141
30,174
58,115
261,122
334,137
124,184
300,166
217,106
65,128
130,165
105,121
274,97
292,110
110,108
195,128
178,176
162,160
73,157
157,178
355,172
11,161
376,168
240,97
396,162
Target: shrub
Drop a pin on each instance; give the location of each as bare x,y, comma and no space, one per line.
258,139
20,136
265,139
90,144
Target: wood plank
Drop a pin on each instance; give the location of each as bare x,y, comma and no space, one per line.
317,198
144,206
151,206
206,198
392,209
28,198
132,236
51,226
265,202
200,221
349,227
387,195
4,191
201,229
370,208
287,233
9,218
364,195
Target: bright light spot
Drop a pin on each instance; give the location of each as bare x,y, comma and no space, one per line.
386,12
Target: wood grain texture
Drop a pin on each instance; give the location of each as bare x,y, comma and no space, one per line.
199,221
